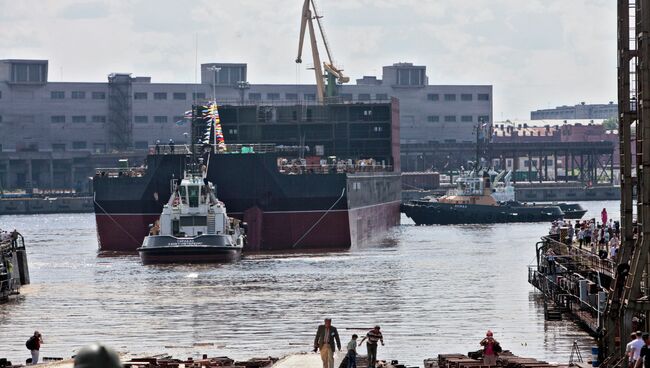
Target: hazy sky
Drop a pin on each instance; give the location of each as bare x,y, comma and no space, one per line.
536,53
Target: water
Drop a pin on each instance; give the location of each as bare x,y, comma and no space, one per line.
433,290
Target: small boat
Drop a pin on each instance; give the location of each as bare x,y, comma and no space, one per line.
474,201
572,210
193,228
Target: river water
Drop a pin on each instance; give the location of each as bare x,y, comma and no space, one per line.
433,289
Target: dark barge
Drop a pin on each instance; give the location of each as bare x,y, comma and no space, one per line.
342,192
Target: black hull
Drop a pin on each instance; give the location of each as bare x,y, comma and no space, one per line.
280,209
435,213
201,249
573,211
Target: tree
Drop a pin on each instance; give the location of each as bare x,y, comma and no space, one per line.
611,123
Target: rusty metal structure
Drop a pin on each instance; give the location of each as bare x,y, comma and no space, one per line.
628,304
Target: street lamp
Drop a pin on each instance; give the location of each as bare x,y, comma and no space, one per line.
215,69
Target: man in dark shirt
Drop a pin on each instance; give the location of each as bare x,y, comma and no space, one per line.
644,359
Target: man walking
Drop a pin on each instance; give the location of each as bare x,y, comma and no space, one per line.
324,341
373,337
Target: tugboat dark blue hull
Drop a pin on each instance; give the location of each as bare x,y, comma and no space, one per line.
435,213
572,210
160,249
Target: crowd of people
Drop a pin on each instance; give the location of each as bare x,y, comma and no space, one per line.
599,237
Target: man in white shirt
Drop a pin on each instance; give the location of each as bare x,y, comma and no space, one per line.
633,348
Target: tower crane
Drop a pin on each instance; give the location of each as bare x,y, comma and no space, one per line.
334,74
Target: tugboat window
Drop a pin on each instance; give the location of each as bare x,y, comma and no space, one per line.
184,195
194,196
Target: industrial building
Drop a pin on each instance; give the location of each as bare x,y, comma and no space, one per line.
55,133
580,111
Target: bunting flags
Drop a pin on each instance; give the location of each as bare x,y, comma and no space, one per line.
210,114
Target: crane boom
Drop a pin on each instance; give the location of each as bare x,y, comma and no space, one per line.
306,22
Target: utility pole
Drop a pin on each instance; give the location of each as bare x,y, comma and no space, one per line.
215,70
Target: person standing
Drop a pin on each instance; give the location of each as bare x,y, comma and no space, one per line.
352,352
158,146
644,354
34,345
633,348
171,146
373,337
491,349
603,216
324,341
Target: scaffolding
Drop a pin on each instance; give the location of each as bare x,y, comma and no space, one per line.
120,106
628,306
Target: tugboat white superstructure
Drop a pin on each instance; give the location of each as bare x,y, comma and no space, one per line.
193,228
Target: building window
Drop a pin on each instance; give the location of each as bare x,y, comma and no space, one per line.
99,95
57,119
141,144
141,119
21,72
198,96
450,119
381,96
291,96
433,118
410,77
0,118
484,118
450,97
466,97
160,95
78,95
255,96
346,96
466,118
179,96
232,131
433,97
79,145
272,96
99,147
57,95
99,119
310,97
364,96
79,119
483,97
140,96
160,119
58,147
0,94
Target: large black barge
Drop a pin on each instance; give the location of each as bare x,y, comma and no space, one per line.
343,192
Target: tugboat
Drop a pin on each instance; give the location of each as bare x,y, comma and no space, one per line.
474,202
572,210
14,271
193,227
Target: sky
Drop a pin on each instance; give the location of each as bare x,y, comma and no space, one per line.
536,53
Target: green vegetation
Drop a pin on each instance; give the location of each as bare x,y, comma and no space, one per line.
611,123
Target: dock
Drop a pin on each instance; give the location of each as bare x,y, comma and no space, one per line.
574,282
506,360
14,271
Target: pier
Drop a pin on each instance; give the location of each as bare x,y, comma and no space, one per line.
572,280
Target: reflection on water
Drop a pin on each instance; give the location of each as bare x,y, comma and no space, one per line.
433,290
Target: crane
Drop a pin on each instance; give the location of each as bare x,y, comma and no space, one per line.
334,74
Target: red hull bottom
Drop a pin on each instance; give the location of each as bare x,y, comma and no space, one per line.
270,231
